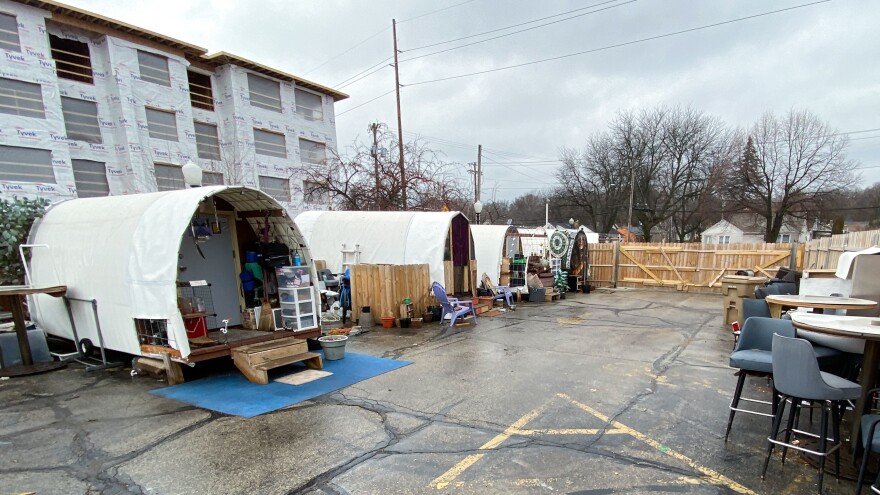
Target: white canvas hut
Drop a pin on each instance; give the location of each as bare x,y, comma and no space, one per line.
492,243
131,253
440,239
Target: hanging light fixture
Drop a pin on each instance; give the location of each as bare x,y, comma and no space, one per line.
192,174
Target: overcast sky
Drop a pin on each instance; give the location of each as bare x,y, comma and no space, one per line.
821,57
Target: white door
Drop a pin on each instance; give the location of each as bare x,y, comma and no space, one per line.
217,267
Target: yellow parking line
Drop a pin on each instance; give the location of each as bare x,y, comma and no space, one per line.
444,479
570,431
711,475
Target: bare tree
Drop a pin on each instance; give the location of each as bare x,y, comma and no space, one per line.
367,178
789,164
665,158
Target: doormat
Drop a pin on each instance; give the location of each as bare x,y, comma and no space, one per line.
231,393
303,377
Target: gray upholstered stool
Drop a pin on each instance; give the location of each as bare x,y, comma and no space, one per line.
796,376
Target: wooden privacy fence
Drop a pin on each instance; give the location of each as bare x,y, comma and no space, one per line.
690,266
384,287
822,254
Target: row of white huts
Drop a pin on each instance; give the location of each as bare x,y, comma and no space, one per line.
125,261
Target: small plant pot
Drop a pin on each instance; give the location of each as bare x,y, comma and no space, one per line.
334,346
387,321
436,312
405,322
416,323
562,295
427,317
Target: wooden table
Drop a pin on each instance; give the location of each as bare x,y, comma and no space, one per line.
819,303
12,298
857,327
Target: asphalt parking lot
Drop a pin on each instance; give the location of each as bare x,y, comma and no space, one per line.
603,393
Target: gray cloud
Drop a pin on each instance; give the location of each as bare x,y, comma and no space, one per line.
822,57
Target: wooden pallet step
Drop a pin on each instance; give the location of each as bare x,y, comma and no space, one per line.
311,359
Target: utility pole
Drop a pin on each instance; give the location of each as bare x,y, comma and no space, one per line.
632,187
374,151
399,122
479,169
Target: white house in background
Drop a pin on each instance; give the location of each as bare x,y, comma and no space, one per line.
745,228
91,106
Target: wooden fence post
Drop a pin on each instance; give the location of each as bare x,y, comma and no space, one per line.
616,263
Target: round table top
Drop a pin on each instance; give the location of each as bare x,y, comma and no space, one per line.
860,327
807,301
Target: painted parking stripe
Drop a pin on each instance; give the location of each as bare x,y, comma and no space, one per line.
711,476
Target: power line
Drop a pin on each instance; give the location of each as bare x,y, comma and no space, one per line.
334,57
618,45
434,12
508,155
373,36
517,32
505,27
364,103
368,74
346,80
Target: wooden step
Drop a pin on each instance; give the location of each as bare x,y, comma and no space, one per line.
256,359
311,359
264,352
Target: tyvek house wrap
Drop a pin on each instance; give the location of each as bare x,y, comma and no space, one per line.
398,238
121,95
122,251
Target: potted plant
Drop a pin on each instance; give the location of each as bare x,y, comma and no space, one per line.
560,283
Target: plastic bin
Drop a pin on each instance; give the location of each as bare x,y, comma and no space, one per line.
536,295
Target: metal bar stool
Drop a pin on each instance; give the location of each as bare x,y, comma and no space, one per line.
871,443
752,355
796,376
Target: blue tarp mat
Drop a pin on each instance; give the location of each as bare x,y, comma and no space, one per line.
232,393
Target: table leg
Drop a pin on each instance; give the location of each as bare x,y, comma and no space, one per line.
775,309
868,379
24,346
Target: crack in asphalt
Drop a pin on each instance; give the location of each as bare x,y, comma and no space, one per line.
93,466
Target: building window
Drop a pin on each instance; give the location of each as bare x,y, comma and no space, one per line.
785,238
21,98
264,93
270,143
90,178
313,193
275,187
207,143
169,177
72,59
723,239
162,124
200,93
9,33
154,68
312,152
26,165
212,179
309,105
81,120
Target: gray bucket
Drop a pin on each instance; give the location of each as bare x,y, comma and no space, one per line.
334,346
366,320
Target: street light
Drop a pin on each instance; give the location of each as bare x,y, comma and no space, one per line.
478,208
192,174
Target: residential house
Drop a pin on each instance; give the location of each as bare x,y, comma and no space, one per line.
91,106
747,228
